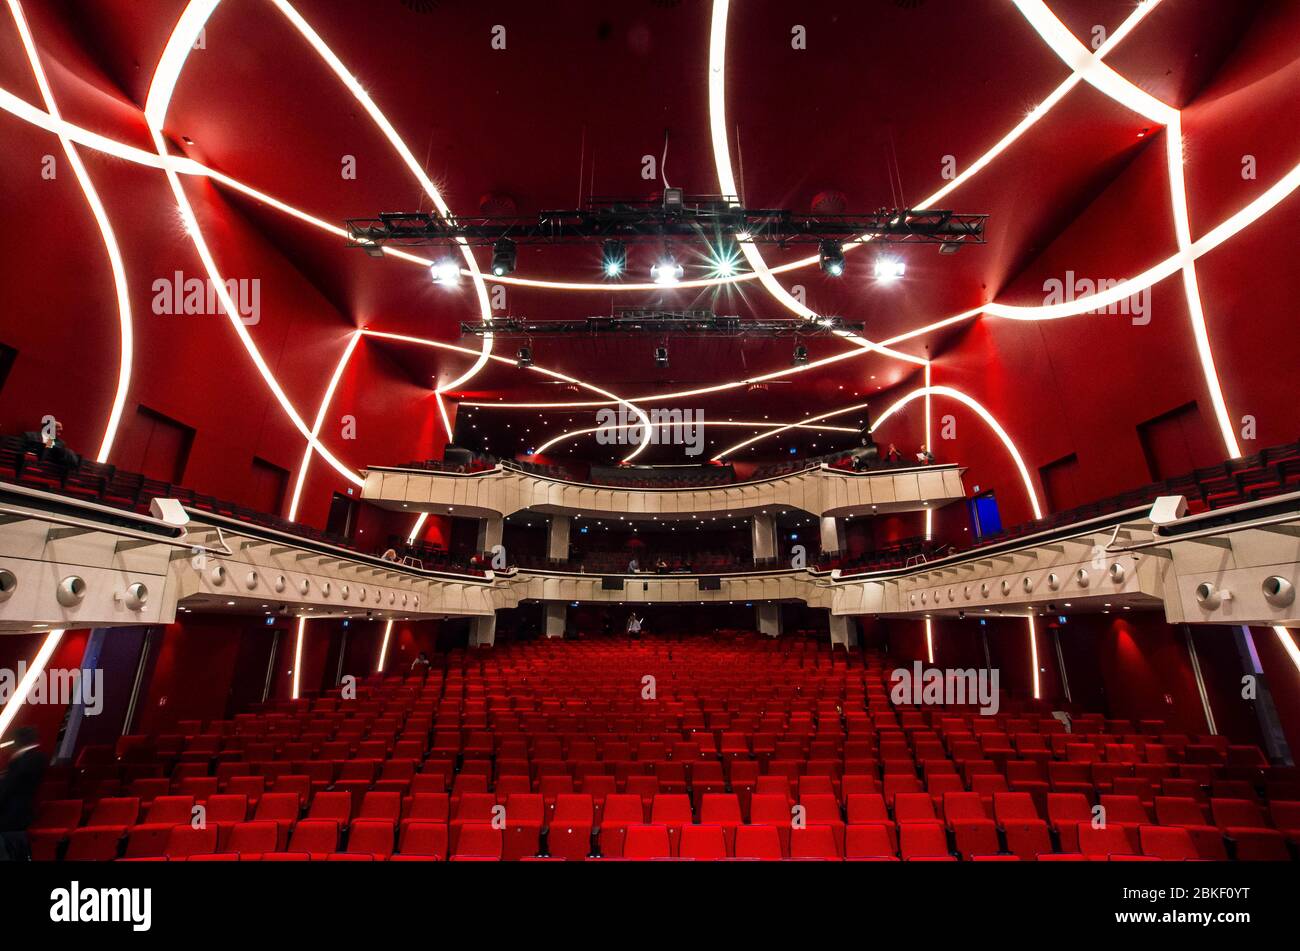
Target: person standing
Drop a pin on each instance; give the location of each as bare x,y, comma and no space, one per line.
18,787
633,625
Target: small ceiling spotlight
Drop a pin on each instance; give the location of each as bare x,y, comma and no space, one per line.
524,358
725,259
666,271
889,269
613,258
800,355
661,357
830,255
503,257
445,272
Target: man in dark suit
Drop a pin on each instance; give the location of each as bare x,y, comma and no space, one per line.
18,785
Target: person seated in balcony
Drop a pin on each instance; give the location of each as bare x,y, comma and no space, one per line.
661,566
924,456
633,566
49,445
389,555
892,455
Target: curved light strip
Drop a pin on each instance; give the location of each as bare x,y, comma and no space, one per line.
415,529
923,391
383,648
1033,657
395,140
983,414
780,429
118,266
554,374
575,433
297,654
1211,239
353,339
232,312
929,641
1283,635
10,710
1076,55
727,178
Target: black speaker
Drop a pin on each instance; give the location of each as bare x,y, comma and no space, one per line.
712,583
608,583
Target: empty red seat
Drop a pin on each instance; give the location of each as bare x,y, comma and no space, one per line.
758,842
251,840
316,837
571,826
422,841
185,841
1170,843
1103,841
1244,825
703,842
814,842
1187,813
478,841
524,817
371,837
869,842
646,842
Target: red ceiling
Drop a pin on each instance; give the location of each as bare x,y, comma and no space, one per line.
884,90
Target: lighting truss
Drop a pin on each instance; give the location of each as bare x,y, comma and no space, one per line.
707,217
629,321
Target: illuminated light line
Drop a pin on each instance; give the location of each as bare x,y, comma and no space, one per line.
787,426
575,433
1283,635
10,710
31,114
345,76
949,391
353,339
1033,656
555,374
929,640
178,46
297,654
1112,84
126,332
727,178
983,414
415,529
383,649
929,447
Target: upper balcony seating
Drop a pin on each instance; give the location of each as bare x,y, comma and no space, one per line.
1274,471
131,491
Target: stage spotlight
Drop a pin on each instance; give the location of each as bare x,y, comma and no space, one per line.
614,258
524,358
889,269
830,254
445,271
661,357
503,257
666,271
800,355
725,260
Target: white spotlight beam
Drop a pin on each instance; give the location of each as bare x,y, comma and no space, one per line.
383,648
297,655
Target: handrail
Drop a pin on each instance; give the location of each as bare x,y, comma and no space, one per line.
681,488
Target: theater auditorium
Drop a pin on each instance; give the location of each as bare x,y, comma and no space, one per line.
670,431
